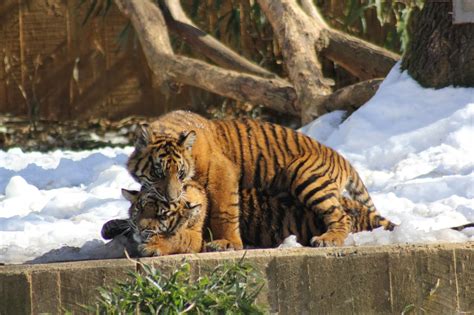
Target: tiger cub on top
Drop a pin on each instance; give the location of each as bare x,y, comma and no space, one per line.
266,219
226,156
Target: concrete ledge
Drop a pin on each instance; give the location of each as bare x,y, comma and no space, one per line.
436,279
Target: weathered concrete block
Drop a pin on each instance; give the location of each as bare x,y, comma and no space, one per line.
45,292
404,276
424,280
14,293
432,279
464,264
288,285
346,282
79,282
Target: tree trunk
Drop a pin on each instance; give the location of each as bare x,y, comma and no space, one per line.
440,53
289,24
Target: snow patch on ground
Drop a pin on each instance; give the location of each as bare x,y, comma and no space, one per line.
54,204
412,146
414,149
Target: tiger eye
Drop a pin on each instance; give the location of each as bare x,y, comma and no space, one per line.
181,174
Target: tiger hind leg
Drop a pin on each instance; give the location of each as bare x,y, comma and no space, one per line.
337,222
310,183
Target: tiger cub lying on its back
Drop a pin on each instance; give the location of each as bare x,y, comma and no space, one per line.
159,227
266,219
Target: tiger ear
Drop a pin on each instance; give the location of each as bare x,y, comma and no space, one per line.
143,136
187,139
130,195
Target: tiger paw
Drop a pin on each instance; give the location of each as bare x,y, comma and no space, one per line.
218,246
327,240
146,250
114,228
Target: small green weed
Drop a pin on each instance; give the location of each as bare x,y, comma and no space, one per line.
229,288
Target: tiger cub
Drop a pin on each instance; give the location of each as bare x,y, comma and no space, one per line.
226,156
161,227
266,219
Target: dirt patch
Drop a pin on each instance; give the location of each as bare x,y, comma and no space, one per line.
71,135
47,135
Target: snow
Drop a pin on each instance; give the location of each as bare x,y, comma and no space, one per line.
290,241
54,204
413,147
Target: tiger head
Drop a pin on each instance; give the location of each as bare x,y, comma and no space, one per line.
150,215
163,161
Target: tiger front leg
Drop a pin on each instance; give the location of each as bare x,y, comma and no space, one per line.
156,246
224,211
185,241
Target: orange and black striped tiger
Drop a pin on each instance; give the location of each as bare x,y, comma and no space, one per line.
266,219
160,227
227,156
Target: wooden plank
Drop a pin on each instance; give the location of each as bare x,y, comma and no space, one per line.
10,97
43,34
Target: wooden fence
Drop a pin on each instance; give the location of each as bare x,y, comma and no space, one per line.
53,65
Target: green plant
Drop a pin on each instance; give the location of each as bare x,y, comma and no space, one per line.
229,288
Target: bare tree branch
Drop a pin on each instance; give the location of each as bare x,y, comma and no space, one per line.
150,26
353,96
207,45
361,58
348,98
151,30
296,35
310,9
273,93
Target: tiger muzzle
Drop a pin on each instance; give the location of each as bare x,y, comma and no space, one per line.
174,189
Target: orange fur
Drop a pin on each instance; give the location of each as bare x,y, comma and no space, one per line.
168,228
226,156
266,219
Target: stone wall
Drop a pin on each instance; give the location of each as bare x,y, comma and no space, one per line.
429,279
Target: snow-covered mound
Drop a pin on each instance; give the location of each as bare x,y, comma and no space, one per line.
56,203
413,147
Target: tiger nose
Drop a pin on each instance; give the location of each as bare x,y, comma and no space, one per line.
172,195
173,192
